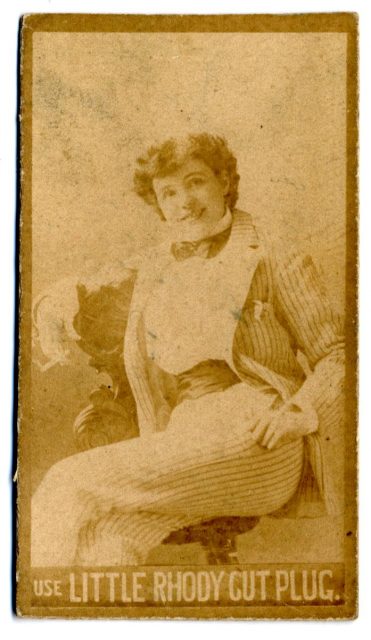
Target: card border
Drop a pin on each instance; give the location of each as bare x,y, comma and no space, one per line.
253,23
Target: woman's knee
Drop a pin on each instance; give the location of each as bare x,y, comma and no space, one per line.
72,471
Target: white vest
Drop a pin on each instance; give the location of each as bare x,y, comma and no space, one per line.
205,313
192,312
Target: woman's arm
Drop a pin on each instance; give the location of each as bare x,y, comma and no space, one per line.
301,305
302,300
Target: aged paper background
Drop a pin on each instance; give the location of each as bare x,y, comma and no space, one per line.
97,99
279,99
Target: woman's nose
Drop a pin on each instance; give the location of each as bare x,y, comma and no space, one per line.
187,201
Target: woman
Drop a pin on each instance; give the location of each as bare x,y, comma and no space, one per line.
229,423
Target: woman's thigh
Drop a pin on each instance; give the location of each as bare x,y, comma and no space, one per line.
174,472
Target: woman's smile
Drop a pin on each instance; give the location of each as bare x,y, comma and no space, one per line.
193,215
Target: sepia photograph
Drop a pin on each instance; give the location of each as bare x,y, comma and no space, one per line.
188,270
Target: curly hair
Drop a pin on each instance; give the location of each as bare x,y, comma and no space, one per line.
161,160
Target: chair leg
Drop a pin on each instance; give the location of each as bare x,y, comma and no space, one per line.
216,536
222,554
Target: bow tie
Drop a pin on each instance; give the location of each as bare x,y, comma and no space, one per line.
205,248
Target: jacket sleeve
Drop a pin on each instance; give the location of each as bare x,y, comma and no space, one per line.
302,303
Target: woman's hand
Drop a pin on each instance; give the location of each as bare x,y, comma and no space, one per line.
285,424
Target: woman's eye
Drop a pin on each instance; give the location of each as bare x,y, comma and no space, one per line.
168,193
194,182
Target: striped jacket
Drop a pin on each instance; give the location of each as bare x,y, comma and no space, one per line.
287,337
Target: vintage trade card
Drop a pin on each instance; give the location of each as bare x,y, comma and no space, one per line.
188,321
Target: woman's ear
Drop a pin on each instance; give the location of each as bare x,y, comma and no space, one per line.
225,182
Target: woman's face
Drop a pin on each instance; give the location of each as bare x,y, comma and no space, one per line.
192,199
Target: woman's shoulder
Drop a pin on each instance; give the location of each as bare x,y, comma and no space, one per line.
273,243
282,259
